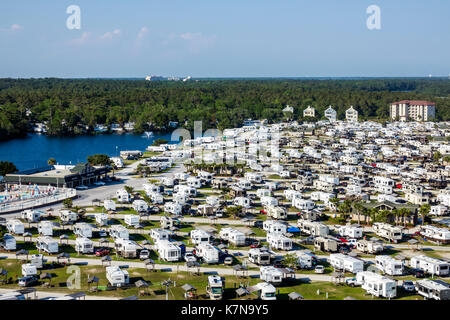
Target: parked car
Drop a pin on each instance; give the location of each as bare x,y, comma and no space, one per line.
27,281
99,183
409,286
82,188
189,256
102,233
102,252
228,261
418,273
255,244
351,282
319,269
144,254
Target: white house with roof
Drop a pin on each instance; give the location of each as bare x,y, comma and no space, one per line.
351,115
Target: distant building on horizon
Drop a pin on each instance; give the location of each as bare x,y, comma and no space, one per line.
417,110
309,112
331,114
351,115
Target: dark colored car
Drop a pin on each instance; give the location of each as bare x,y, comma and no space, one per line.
27,281
102,252
418,273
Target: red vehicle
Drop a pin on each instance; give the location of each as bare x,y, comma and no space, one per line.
263,211
343,240
255,244
102,252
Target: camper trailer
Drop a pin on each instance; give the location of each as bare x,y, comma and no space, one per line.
29,270
116,276
169,222
158,234
389,265
233,236
123,196
84,245
132,220
215,288
276,212
350,231
305,260
433,289
168,251
140,206
9,242
271,274
313,228
279,242
259,256
173,208
207,252
119,232
269,202
434,234
266,291
388,232
45,228
47,244
200,236
37,260
102,219
68,217
31,215
109,205
273,226
377,285
371,247
82,229
15,226
325,244
126,248
430,265
343,262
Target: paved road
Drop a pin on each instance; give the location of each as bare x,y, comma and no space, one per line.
53,294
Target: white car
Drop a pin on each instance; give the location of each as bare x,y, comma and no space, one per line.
99,183
144,254
319,269
189,256
81,188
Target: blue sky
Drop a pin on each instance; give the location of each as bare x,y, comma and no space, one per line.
234,38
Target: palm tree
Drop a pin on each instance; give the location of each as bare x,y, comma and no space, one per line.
358,207
51,161
424,211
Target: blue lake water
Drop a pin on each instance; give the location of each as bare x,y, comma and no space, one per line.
36,149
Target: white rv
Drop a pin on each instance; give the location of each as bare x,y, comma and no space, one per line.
126,248
313,228
259,256
266,291
31,215
158,234
199,236
116,276
279,242
47,244
119,232
438,235
346,263
377,284
430,265
9,242
269,201
207,252
109,205
305,260
215,288
371,247
82,229
132,220
273,226
123,196
173,208
242,201
433,289
168,251
271,274
350,231
68,217
276,212
140,206
102,219
45,228
388,232
28,270
389,265
84,245
233,236
15,226
37,260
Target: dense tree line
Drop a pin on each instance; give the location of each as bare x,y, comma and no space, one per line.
75,106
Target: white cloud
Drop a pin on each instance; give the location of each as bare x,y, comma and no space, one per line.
111,34
142,33
15,27
81,40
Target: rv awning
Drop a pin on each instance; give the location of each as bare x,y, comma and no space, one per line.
253,289
295,296
413,241
188,287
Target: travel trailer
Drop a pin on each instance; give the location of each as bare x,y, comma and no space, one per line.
156,198
102,219
169,222
433,289
377,285
271,274
123,196
266,291
242,201
82,229
233,236
434,234
350,231
326,244
313,228
269,201
9,242
29,270
276,212
116,276
158,234
305,260
45,228
173,208
109,205
168,251
273,226
199,236
31,215
37,260
259,256
279,242
215,288
371,247
140,206
68,217
15,226
389,265
132,220
388,232
126,248
47,244
343,262
207,252
84,245
430,265
119,232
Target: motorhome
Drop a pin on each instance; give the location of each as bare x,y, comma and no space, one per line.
116,276
15,226
435,234
29,270
305,260
266,291
376,284
45,228
156,198
371,247
158,234
168,251
343,262
350,231
326,244
313,228
31,215
126,248
262,192
303,204
173,208
151,188
123,196
433,289
388,232
9,242
102,219
279,242
47,245
233,236
132,220
84,245
389,265
433,266
82,229
215,288
273,226
269,201
271,274
167,222
276,212
119,232
199,236
259,256
109,205
207,252
140,206
243,202
68,217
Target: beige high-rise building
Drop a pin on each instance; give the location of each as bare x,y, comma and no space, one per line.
416,110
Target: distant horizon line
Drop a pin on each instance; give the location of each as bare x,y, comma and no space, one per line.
234,78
